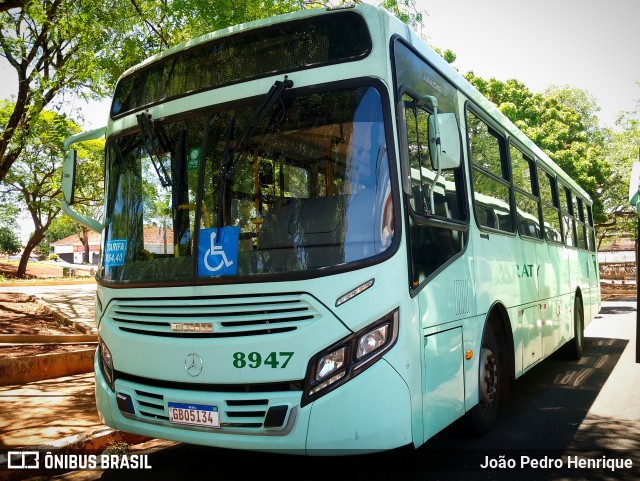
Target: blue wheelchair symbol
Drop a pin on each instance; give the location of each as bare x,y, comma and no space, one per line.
218,251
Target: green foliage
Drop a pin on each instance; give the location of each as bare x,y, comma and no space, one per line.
620,151
448,55
9,242
35,176
9,211
407,11
56,48
562,122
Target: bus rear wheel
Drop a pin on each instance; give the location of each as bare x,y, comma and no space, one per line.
574,348
483,416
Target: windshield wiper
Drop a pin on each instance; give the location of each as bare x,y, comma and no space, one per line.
149,137
229,156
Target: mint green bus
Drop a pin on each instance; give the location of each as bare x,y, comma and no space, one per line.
319,238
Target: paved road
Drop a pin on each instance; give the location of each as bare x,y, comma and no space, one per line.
76,301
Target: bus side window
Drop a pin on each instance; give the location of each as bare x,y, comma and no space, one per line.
579,217
591,229
447,196
490,175
527,200
550,210
568,225
431,246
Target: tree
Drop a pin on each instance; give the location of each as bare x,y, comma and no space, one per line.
9,242
620,152
407,11
64,47
9,211
563,124
35,176
55,49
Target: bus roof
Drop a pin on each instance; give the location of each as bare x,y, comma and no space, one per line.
394,27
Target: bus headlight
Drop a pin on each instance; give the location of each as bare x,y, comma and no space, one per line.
372,341
349,357
106,363
331,363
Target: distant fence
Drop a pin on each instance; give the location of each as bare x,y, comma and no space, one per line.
618,271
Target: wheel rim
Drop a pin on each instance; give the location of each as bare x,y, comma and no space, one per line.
488,378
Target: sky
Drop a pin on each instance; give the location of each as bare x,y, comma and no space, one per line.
586,44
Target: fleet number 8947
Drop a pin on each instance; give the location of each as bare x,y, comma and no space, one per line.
254,360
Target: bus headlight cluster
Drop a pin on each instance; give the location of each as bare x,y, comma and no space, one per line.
106,363
349,357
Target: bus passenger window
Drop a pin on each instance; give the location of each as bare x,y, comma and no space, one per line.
591,230
490,175
550,211
426,184
527,201
579,220
568,224
431,246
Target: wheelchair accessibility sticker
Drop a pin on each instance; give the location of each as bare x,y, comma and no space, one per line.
218,251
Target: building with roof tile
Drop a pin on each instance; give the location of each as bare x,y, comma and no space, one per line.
157,240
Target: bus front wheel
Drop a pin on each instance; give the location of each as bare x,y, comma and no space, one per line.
483,416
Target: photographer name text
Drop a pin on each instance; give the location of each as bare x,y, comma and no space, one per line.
546,462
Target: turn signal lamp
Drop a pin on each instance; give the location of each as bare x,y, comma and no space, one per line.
106,363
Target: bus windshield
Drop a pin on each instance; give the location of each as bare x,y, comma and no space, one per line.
210,195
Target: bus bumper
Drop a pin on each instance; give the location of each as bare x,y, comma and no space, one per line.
372,412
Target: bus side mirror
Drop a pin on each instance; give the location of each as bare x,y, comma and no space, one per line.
69,176
448,135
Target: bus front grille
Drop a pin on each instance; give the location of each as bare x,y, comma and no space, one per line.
252,413
214,316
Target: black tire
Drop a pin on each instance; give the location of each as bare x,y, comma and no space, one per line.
482,417
575,347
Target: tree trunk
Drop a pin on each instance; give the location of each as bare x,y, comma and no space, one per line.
32,243
84,238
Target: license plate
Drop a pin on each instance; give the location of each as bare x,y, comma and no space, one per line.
194,414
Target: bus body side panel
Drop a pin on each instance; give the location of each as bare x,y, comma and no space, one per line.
449,328
353,419
571,287
588,283
557,293
553,336
444,380
497,280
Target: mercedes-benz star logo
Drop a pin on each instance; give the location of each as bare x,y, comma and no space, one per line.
193,364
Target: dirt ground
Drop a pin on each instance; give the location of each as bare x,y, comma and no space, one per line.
35,270
21,314
35,349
